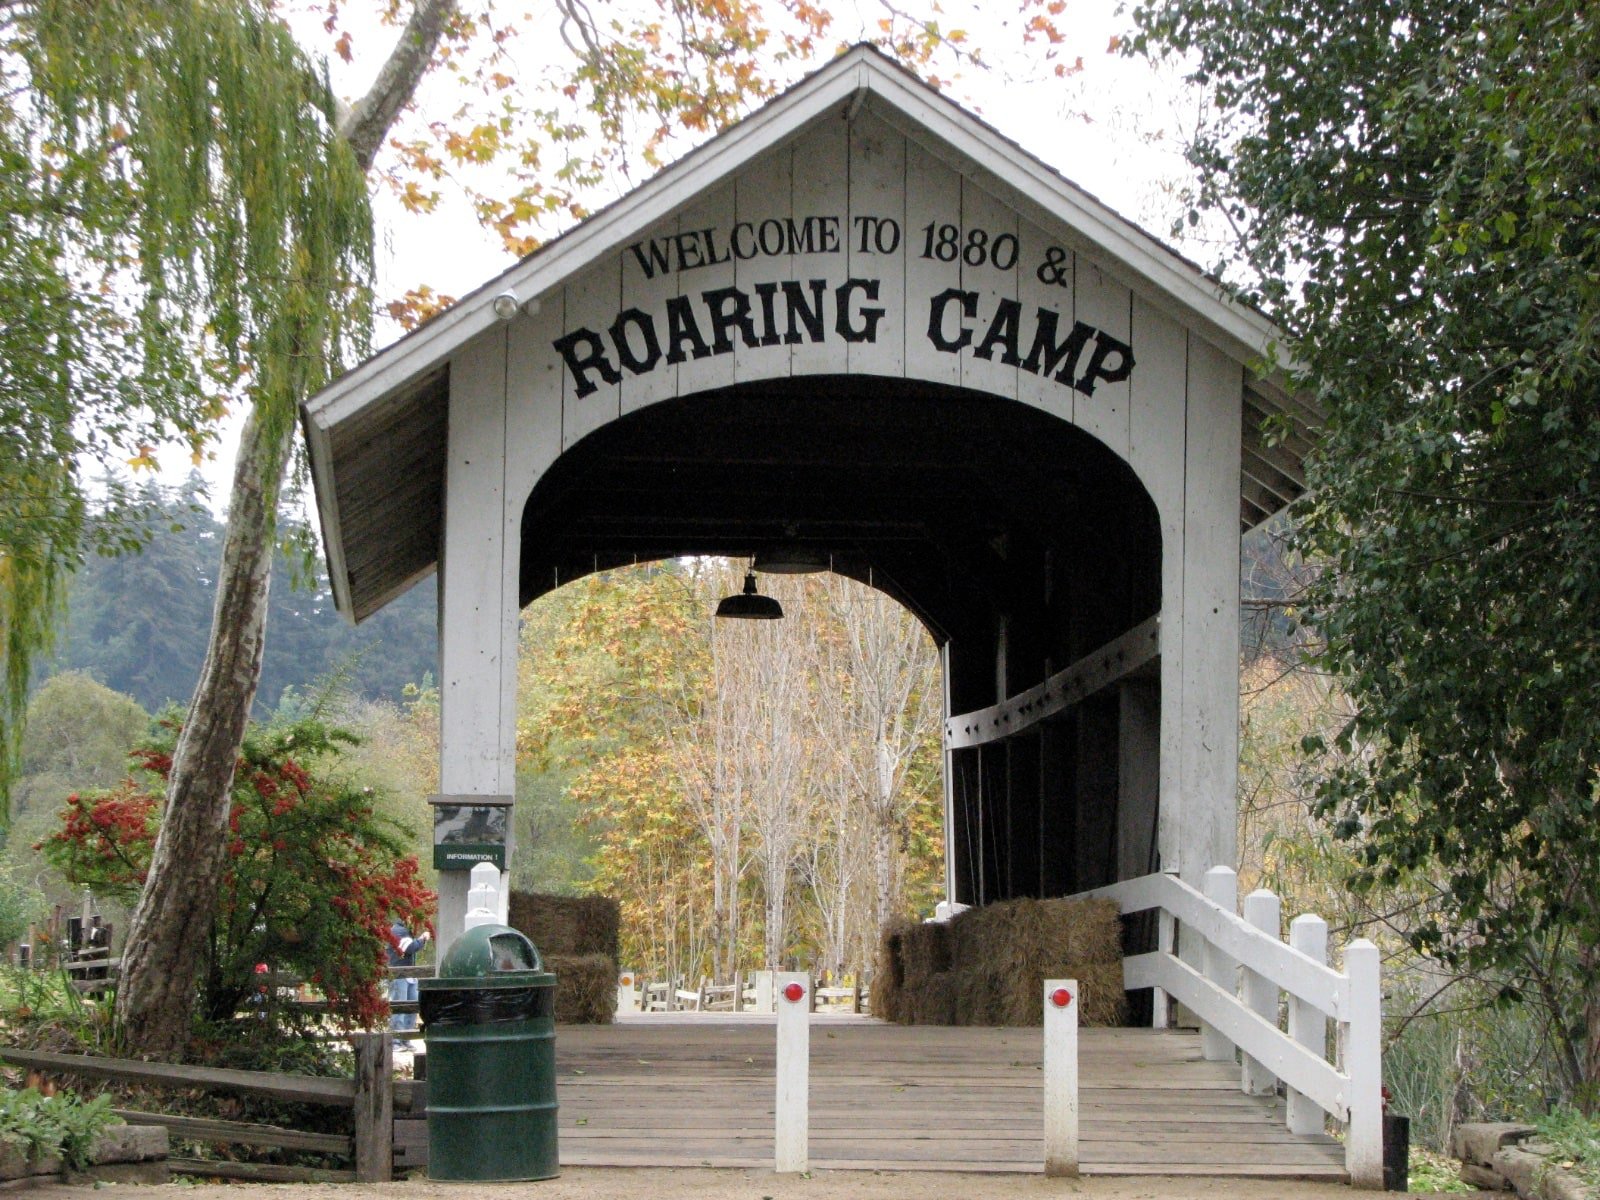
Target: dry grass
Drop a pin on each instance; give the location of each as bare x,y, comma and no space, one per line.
987,965
586,988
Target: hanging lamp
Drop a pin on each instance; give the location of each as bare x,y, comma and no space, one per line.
750,605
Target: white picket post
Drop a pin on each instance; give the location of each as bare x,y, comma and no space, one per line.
1261,911
1363,1052
1166,943
1061,1077
791,1116
483,898
1222,889
1308,933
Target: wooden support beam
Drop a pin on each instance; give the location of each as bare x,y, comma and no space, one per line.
1117,658
374,1107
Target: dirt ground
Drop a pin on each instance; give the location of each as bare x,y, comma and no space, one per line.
608,1183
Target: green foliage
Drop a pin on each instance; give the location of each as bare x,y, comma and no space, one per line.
61,1124
314,875
19,906
1575,1140
1431,1173
137,621
1415,186
182,227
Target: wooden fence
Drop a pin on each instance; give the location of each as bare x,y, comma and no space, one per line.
388,1113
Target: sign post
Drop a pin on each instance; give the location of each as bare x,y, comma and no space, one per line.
1061,1077
791,1116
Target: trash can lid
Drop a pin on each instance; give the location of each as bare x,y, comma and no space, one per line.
490,956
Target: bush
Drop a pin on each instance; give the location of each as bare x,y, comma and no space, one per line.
62,1124
313,879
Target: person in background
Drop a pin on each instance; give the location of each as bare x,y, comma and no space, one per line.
403,953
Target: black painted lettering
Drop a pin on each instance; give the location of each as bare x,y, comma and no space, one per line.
708,238
829,239
681,328
653,259
936,321
743,249
770,237
801,238
799,312
729,309
767,293
1104,347
583,351
867,331
688,245
1047,353
1003,333
645,360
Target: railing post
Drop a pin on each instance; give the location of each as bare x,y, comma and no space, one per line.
1061,1077
1363,1053
1166,943
374,1107
1261,911
1308,1026
1222,889
791,1117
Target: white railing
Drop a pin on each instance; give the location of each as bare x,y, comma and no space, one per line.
1237,998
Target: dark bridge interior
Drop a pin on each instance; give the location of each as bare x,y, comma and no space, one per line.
1020,542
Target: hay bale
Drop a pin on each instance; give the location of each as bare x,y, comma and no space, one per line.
924,952
977,996
890,1001
934,1003
1101,992
567,924
586,988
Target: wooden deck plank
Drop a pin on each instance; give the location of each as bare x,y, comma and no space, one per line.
693,1092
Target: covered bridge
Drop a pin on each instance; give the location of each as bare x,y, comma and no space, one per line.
859,324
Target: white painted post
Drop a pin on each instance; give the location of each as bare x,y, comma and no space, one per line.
1363,1053
791,1115
1061,1077
1166,943
764,991
1222,889
1262,911
1308,1026
483,897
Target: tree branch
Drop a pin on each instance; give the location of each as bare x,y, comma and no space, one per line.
367,122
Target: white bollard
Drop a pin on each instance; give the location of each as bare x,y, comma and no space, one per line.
1308,1026
483,897
792,1122
1222,889
1262,911
1363,1062
1061,1077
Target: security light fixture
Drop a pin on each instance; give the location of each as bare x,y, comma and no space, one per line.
750,605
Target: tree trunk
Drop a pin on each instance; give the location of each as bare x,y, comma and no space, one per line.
1588,1096
169,928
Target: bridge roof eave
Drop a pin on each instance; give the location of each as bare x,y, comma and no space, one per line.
402,380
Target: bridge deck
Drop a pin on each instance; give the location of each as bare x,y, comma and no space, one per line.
697,1090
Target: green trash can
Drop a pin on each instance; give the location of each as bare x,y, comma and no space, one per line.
489,1023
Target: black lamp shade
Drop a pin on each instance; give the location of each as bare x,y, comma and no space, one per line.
750,605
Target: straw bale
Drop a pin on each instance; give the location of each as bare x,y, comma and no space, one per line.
1101,993
890,1001
934,1003
586,988
924,952
567,924
977,997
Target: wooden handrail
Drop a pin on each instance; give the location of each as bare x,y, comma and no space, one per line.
1296,973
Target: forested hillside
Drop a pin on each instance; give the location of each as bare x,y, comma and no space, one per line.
137,622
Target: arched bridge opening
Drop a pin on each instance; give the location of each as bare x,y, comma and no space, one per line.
1023,544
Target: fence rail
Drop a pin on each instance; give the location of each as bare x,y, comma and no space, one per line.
372,1095
1245,972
